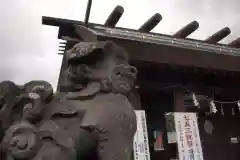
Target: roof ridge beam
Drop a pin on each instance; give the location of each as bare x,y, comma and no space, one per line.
218,36
151,23
187,30
114,17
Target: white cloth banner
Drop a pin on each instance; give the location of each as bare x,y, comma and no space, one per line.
188,138
140,143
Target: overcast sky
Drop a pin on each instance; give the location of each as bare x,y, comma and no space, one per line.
28,49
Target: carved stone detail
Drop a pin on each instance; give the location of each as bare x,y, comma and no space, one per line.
91,113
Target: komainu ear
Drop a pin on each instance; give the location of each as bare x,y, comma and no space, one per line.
43,88
115,50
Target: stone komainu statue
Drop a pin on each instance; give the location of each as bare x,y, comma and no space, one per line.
90,118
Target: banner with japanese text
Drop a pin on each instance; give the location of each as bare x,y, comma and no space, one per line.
188,138
140,143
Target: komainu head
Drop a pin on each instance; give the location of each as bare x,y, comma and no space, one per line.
103,62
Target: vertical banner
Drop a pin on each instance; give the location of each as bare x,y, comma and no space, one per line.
188,138
140,143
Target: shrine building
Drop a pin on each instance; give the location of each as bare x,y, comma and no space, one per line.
176,74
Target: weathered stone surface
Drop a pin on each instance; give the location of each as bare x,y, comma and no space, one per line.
90,118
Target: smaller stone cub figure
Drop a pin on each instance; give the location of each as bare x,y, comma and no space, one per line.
20,115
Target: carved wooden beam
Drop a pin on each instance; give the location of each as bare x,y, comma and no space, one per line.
151,23
114,17
187,30
218,36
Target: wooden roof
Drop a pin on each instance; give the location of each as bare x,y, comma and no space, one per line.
143,45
